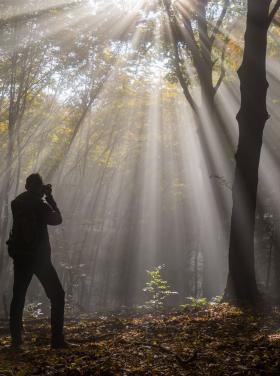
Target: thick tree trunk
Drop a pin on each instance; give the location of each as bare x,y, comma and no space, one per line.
241,285
275,289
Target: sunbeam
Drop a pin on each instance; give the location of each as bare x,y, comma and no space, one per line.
155,146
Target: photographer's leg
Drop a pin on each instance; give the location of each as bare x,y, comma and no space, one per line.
48,277
22,277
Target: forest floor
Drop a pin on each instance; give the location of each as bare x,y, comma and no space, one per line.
211,340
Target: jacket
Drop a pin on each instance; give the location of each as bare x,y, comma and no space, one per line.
31,216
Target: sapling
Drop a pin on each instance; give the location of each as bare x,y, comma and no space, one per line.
157,289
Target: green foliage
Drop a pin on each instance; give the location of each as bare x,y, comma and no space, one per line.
216,299
157,289
33,311
191,301
74,277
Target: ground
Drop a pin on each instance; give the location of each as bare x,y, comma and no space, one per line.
211,340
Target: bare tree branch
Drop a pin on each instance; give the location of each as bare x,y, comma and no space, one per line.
219,22
192,43
223,71
179,72
274,11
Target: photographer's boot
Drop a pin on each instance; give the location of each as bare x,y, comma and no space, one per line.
59,343
16,343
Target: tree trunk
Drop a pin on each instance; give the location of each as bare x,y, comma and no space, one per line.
4,196
275,288
241,285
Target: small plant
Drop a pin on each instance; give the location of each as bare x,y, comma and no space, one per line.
191,301
33,311
74,282
216,299
157,288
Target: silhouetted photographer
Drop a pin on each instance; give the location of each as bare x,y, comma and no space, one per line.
30,249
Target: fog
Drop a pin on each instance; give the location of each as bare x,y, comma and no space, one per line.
140,177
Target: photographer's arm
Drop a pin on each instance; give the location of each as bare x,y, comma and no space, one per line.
52,214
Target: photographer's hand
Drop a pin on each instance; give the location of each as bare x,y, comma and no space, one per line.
53,216
52,213
48,190
49,198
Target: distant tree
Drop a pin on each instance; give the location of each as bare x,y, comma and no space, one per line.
196,37
25,73
195,32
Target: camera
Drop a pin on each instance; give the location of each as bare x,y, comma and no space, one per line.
47,189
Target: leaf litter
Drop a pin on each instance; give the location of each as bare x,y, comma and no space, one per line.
213,340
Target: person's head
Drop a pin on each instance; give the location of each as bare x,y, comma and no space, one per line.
34,183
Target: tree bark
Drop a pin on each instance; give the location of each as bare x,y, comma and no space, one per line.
241,284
